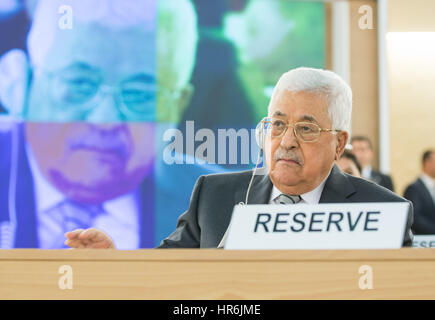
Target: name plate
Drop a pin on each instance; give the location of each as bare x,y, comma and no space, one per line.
424,241
322,226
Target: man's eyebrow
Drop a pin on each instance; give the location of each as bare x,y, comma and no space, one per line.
308,118
80,65
143,77
304,117
279,114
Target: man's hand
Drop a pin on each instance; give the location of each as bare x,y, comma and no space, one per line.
89,238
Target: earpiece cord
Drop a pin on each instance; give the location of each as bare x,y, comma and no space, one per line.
252,177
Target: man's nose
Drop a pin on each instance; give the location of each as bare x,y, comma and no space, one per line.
289,140
108,110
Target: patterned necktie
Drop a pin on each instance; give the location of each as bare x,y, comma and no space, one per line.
66,216
287,199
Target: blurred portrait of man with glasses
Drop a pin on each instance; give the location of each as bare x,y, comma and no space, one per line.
91,104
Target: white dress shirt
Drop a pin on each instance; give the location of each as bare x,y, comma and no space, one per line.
366,172
311,197
120,219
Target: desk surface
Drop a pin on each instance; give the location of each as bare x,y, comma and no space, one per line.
218,274
414,254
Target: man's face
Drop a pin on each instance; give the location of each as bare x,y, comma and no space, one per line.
429,166
363,153
94,73
104,155
348,166
297,167
93,163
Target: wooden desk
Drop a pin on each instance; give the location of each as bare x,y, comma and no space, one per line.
217,274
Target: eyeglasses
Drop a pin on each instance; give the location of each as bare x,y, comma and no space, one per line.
305,131
81,91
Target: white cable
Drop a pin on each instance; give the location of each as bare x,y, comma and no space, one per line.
252,178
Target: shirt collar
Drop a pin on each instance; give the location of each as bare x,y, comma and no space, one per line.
311,197
367,172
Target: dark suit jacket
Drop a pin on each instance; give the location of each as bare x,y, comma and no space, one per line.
382,179
214,196
26,235
424,207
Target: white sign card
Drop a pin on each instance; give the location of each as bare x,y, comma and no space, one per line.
378,225
424,241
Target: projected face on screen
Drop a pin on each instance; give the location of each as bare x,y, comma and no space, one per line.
96,74
90,93
92,106
93,163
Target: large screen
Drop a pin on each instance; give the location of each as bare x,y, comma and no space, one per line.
110,110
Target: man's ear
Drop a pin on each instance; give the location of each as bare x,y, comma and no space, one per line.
342,138
14,81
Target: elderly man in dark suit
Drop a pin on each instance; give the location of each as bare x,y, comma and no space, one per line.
422,195
305,133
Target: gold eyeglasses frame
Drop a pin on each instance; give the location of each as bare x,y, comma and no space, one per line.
268,120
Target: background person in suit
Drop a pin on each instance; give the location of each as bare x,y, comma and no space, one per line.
363,150
422,195
80,160
304,134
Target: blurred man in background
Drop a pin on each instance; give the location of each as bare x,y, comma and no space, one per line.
271,36
363,150
422,194
218,87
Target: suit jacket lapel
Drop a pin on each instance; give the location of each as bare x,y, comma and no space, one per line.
376,177
260,189
337,187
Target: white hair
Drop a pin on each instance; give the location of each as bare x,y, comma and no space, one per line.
112,13
337,92
168,18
